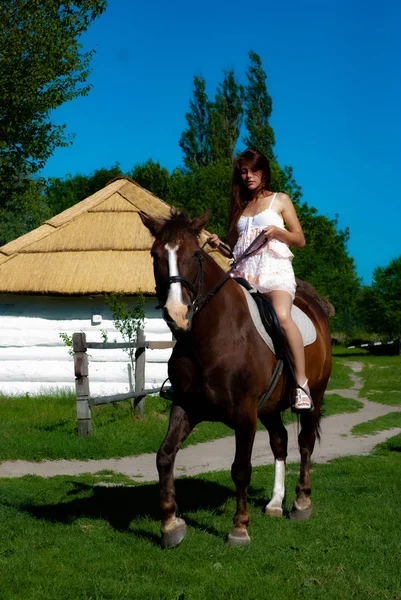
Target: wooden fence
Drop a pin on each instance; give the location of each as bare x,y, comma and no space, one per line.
81,369
393,347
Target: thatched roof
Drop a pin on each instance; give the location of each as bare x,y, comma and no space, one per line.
100,245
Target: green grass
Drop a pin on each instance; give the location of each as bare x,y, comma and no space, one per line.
348,353
390,446
388,421
382,379
44,427
340,376
67,538
381,374
335,405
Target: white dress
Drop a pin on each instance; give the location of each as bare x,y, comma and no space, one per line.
270,268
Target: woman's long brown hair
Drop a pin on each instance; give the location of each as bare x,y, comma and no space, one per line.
240,195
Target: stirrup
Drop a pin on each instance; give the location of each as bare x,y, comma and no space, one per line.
302,400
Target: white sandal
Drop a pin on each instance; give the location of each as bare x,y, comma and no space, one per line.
302,399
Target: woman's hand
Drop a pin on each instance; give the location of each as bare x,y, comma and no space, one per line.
214,241
272,232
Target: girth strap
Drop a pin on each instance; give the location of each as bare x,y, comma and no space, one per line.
274,381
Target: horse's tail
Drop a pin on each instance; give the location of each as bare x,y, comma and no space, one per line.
312,421
304,287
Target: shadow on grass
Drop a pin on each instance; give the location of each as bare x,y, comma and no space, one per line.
53,427
122,505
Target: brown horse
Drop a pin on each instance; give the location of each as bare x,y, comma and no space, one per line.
220,368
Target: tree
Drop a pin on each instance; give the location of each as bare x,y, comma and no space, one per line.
194,191
225,118
128,320
61,193
381,302
258,109
194,141
324,262
41,67
153,177
204,188
260,135
25,210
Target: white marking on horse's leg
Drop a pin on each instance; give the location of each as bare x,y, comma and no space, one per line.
175,304
275,506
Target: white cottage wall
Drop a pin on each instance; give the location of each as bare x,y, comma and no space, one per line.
34,359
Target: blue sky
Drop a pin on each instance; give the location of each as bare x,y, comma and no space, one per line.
334,73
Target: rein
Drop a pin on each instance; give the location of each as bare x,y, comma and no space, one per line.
200,301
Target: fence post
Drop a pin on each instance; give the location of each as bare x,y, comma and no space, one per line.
140,361
82,384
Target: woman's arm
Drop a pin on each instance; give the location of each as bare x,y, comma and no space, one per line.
215,242
293,235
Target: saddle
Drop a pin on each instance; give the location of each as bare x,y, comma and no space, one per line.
268,317
268,326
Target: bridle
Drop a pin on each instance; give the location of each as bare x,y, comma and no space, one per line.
188,285
198,300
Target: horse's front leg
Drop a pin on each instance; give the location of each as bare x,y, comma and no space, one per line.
278,443
241,473
173,528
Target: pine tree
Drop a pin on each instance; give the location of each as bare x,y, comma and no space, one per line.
194,141
225,118
258,109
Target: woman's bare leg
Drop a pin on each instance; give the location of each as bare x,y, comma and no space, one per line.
282,304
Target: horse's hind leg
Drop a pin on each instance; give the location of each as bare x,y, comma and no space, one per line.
173,528
302,508
278,443
241,474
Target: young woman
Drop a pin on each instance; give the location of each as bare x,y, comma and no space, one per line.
255,209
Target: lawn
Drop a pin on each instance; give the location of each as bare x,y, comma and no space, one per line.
335,405
382,379
388,421
381,374
44,427
340,376
71,539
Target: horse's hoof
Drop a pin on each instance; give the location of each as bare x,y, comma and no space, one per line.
238,537
274,511
297,514
173,536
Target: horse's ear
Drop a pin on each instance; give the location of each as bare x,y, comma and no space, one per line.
198,224
151,223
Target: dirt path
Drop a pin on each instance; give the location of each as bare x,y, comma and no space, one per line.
214,456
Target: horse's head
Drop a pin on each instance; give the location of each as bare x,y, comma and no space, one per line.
177,265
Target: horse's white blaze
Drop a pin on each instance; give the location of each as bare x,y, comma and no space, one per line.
175,304
279,485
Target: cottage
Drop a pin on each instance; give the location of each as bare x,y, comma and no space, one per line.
53,281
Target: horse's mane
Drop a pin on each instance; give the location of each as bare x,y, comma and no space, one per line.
307,288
